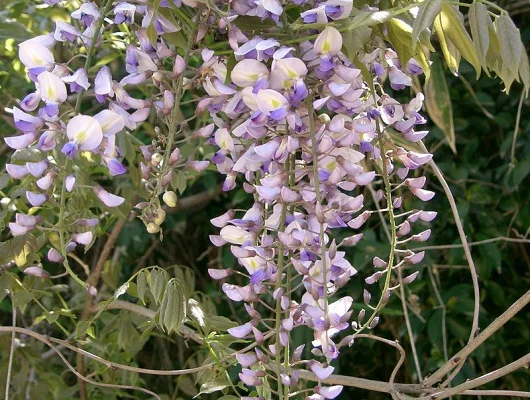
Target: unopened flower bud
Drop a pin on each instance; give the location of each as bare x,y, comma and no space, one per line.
411,278
156,159
37,271
374,278
160,217
333,249
142,205
170,198
379,263
374,322
386,297
152,227
167,179
324,118
366,297
174,156
361,316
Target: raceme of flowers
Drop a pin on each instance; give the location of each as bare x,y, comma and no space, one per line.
300,125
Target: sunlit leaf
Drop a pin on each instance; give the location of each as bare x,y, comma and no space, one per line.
479,21
511,45
428,11
452,60
451,22
214,385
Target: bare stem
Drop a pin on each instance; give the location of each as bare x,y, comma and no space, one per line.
463,239
11,348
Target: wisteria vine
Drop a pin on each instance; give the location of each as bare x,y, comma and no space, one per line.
300,124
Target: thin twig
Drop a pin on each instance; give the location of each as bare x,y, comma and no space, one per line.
465,245
12,347
471,244
409,326
475,98
398,365
516,129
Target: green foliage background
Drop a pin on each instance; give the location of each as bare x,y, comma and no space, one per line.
492,192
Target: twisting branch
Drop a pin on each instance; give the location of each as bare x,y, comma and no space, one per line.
481,338
467,250
48,341
498,373
400,362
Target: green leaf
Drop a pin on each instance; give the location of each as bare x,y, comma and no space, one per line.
438,102
354,40
22,298
142,285
428,11
4,180
11,29
214,385
451,21
219,323
172,311
158,279
521,171
511,45
230,64
196,313
451,59
6,281
479,21
249,23
435,328
399,34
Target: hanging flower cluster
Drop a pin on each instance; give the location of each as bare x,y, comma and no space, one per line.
304,128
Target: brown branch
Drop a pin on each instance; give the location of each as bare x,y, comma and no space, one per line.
48,341
498,373
471,244
476,342
465,245
510,393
